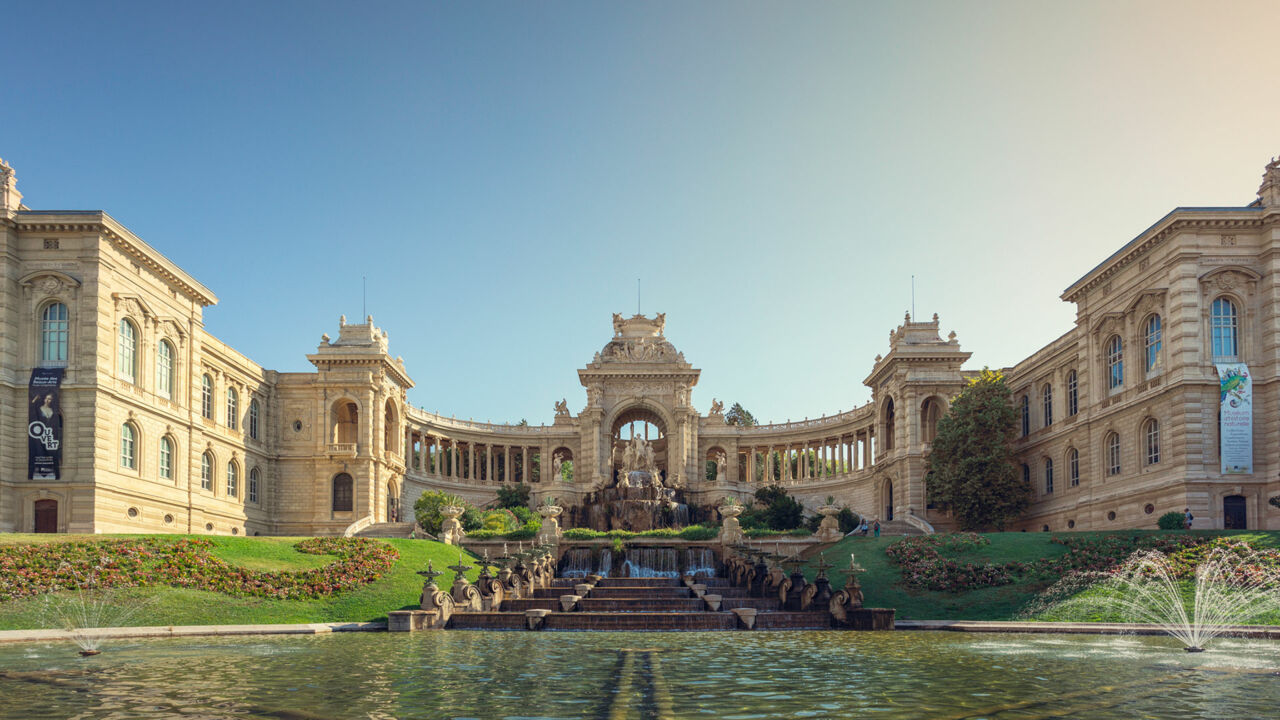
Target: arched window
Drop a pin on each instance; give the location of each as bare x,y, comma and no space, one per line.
53,335
930,414
1115,362
1026,475
1113,454
128,446
206,471
164,369
166,458
128,351
1047,396
1151,437
233,479
1151,339
233,407
254,413
1048,476
888,424
343,492
254,478
1073,466
1026,416
1073,393
206,397
1225,323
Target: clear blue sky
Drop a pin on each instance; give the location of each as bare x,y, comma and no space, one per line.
503,172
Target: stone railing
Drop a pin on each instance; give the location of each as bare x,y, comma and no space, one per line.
430,418
357,526
919,522
341,449
861,412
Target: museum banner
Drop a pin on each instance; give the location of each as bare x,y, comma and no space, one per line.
1235,423
44,425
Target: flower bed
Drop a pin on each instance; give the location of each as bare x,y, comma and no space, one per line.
27,570
924,567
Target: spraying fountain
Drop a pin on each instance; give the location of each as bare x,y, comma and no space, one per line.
1233,585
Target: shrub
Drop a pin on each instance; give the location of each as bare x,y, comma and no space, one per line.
848,519
581,534
699,532
514,495
1172,520
501,521
523,513
780,511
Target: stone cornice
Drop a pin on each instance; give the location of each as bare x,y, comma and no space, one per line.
393,369
97,221
1178,220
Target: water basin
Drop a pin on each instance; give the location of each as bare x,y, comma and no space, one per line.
740,675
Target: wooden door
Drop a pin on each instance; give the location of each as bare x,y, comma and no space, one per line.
46,512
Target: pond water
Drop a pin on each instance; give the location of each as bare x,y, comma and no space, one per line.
729,675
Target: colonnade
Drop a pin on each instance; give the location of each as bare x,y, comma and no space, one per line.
803,460
469,461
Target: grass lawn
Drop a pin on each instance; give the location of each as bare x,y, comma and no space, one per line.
882,586
164,605
399,588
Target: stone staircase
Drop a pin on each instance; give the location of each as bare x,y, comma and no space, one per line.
387,530
621,604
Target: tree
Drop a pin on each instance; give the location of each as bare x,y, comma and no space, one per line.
739,416
971,468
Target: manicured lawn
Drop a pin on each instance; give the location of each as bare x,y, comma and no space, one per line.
882,582
395,590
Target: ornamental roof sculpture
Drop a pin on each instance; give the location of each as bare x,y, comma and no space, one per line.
639,339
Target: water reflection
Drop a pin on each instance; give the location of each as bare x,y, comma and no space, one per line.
643,675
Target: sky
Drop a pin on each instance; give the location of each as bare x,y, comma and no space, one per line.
500,174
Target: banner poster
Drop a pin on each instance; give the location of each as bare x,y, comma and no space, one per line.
1235,431
44,425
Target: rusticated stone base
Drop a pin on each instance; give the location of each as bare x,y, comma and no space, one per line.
870,619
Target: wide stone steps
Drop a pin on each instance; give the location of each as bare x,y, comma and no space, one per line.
630,604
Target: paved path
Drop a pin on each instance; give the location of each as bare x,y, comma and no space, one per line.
195,631
1270,632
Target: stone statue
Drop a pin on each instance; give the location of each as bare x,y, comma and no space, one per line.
617,324
638,457
557,463
682,396
562,408
722,463
717,407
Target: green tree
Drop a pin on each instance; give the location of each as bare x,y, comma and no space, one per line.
740,416
971,468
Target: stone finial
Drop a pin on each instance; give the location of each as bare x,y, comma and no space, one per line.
325,338
342,321
1269,191
10,198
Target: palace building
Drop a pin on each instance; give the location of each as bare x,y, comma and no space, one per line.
120,413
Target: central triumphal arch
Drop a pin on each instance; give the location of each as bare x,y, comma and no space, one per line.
639,386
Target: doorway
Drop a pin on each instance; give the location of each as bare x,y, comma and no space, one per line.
46,512
888,501
1233,513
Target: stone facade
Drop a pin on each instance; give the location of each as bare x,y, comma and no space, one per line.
167,429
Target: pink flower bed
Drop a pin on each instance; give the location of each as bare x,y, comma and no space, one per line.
924,567
27,570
